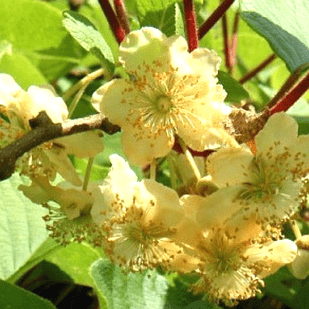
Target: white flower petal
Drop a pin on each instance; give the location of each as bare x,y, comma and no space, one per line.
114,100
144,47
8,89
230,166
205,61
280,131
63,165
167,209
274,255
217,208
141,147
82,145
45,99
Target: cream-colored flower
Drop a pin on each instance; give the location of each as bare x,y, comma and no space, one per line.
138,219
230,254
171,91
73,201
300,266
233,270
21,106
268,182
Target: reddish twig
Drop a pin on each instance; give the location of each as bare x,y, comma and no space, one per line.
285,103
287,86
190,24
234,41
215,16
122,15
112,19
259,68
226,43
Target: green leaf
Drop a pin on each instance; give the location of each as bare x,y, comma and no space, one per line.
58,61
179,22
14,297
40,254
159,14
22,229
300,111
235,91
129,291
32,25
22,69
284,24
98,172
75,260
89,38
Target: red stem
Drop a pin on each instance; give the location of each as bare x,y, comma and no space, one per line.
122,15
226,43
234,41
112,19
214,17
190,24
285,103
259,68
287,86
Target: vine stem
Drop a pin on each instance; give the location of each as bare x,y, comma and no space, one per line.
172,170
113,21
84,81
43,130
153,167
76,99
190,24
122,15
257,69
226,43
285,103
295,229
190,159
288,85
214,17
87,175
234,41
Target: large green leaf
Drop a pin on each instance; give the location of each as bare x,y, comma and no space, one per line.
159,14
75,260
89,37
40,254
129,291
284,24
22,229
14,297
32,25
22,69
235,91
57,61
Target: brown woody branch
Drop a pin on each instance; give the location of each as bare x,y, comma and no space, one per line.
43,130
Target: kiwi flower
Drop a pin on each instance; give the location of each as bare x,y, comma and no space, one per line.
268,183
230,254
138,218
170,92
46,160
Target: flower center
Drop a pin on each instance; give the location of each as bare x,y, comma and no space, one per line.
164,104
266,181
222,256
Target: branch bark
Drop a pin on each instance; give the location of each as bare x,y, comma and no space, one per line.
44,130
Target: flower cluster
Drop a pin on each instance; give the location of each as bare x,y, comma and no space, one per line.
42,163
225,226
222,216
